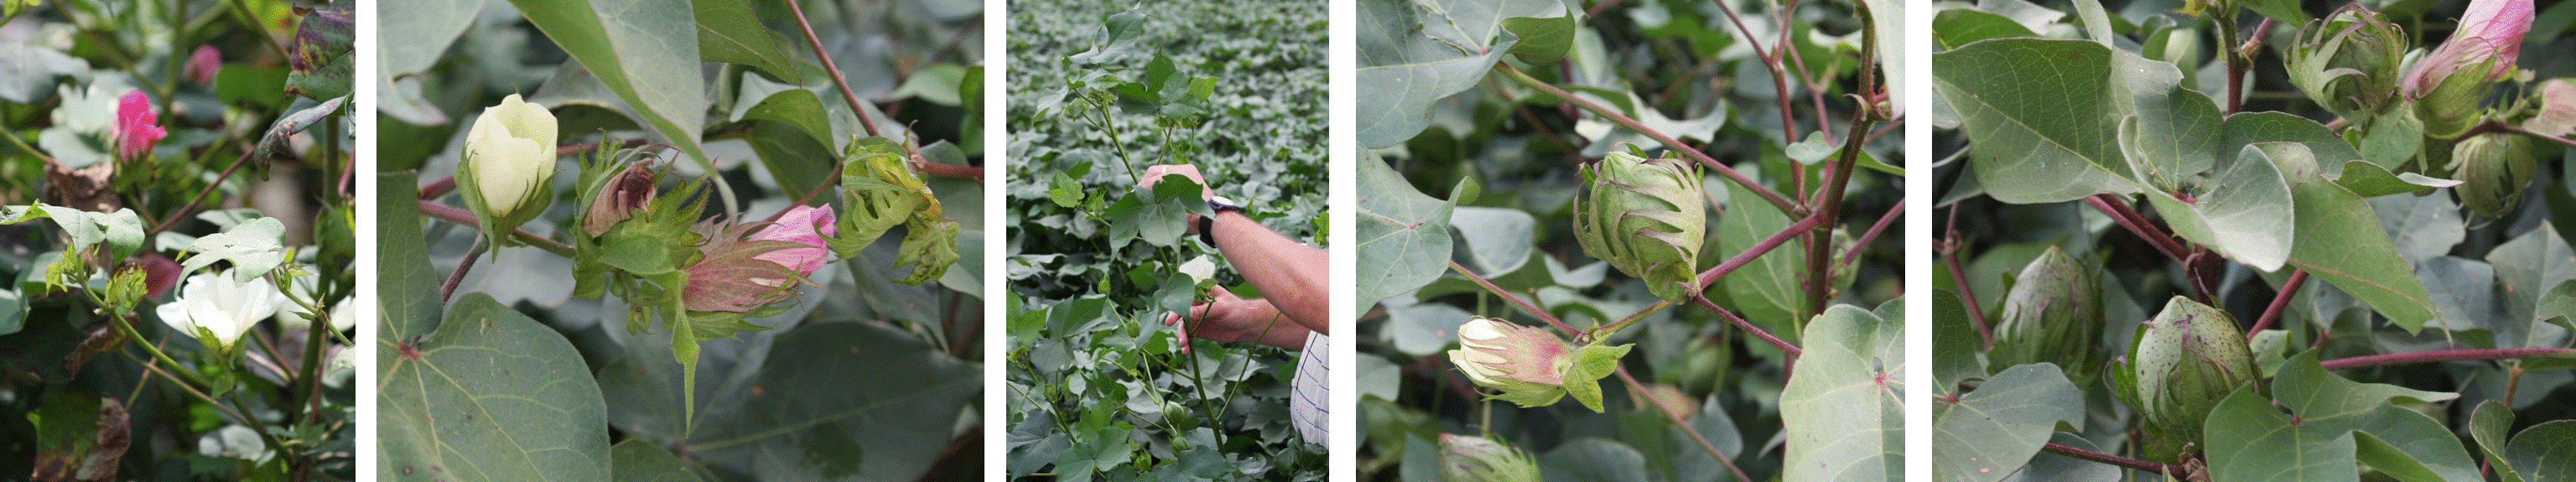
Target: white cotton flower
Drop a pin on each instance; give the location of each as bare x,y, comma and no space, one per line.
216,309
511,153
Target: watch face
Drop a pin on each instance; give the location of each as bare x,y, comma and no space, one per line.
1222,203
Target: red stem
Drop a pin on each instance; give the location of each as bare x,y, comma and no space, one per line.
2119,211
2449,355
2289,289
2112,459
1710,277
1515,300
1748,327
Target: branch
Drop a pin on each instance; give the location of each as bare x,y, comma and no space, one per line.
1710,277
2119,211
971,173
1874,228
1515,300
2450,355
185,211
1678,422
2130,463
835,70
2289,289
459,216
1792,350
1949,250
1675,145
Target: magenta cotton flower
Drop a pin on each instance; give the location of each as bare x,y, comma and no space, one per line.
203,64
2490,30
805,225
137,128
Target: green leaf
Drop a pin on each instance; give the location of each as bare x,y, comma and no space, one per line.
631,47
2331,424
490,395
402,259
1596,460
1992,432
936,83
2044,114
1413,53
1955,342
1403,234
729,31
318,62
2487,426
845,400
305,114
417,34
2237,212
1954,27
2340,242
2528,267
637,461
1545,36
2541,451
1843,411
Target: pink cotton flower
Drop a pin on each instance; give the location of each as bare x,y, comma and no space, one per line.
2491,29
203,64
805,225
136,126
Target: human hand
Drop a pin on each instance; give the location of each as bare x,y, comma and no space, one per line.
1217,320
1154,174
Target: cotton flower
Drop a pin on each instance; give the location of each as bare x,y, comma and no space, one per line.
203,64
805,225
137,128
1526,363
2448,82
216,309
510,158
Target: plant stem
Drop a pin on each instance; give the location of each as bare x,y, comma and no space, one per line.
31,150
1682,424
2450,355
1874,228
833,69
1515,300
2119,210
1748,327
2126,462
448,289
1675,145
137,338
1949,250
2289,289
1820,282
1632,318
1707,278
190,208
459,216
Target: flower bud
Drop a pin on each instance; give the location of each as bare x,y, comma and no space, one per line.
806,225
2557,116
2448,82
2349,61
137,128
203,64
216,309
2188,358
1647,217
629,190
1477,459
2053,314
1526,363
510,161
2493,168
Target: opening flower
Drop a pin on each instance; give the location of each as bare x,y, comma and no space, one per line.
806,225
1477,459
2448,82
137,127
216,309
1526,363
510,158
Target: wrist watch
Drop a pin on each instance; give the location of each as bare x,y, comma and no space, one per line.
1207,224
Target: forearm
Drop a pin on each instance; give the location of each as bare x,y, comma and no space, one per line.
1293,277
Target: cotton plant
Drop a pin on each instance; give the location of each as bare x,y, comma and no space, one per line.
646,237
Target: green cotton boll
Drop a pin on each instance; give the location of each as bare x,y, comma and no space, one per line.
2493,168
2348,62
2053,314
1466,458
2187,359
1647,217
